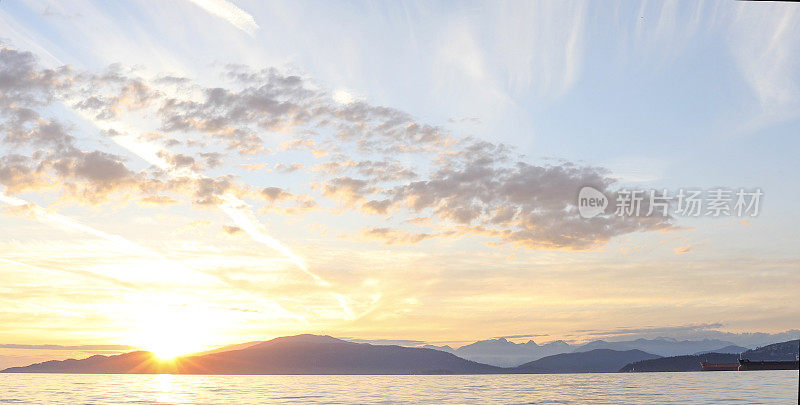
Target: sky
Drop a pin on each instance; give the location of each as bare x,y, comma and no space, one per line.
181,175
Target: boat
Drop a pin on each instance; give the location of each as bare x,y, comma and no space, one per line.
706,366
748,365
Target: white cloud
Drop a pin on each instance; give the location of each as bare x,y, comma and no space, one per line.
230,13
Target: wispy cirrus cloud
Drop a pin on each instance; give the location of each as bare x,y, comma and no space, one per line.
89,348
520,336
655,329
762,45
230,13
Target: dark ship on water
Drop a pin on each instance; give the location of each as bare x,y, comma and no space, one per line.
748,365
706,366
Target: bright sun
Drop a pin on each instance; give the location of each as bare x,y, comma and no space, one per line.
170,341
173,330
168,350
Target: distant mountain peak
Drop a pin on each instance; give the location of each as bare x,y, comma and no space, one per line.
303,338
309,338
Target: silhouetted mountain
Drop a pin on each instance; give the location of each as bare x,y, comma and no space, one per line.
661,346
777,351
679,363
503,353
302,354
312,354
128,363
594,361
732,349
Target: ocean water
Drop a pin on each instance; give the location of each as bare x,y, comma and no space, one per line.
757,387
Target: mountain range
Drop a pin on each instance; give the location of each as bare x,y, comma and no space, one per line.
504,353
302,354
313,354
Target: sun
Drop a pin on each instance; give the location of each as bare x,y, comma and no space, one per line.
168,350
171,330
168,342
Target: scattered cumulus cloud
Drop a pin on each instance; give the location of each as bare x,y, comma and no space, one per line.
378,160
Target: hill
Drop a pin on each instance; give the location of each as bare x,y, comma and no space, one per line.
679,363
138,362
594,361
776,351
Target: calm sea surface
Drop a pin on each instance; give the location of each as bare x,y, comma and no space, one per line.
758,387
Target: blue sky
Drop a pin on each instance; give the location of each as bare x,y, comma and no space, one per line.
658,94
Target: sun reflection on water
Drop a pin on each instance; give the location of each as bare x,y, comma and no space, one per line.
165,393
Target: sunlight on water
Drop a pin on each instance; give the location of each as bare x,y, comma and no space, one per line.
165,393
767,387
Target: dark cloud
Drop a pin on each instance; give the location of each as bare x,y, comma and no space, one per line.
275,103
384,171
387,170
212,159
478,190
24,128
108,94
288,168
102,169
270,100
273,194
231,230
179,160
209,189
23,83
89,176
377,207
346,189
20,173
